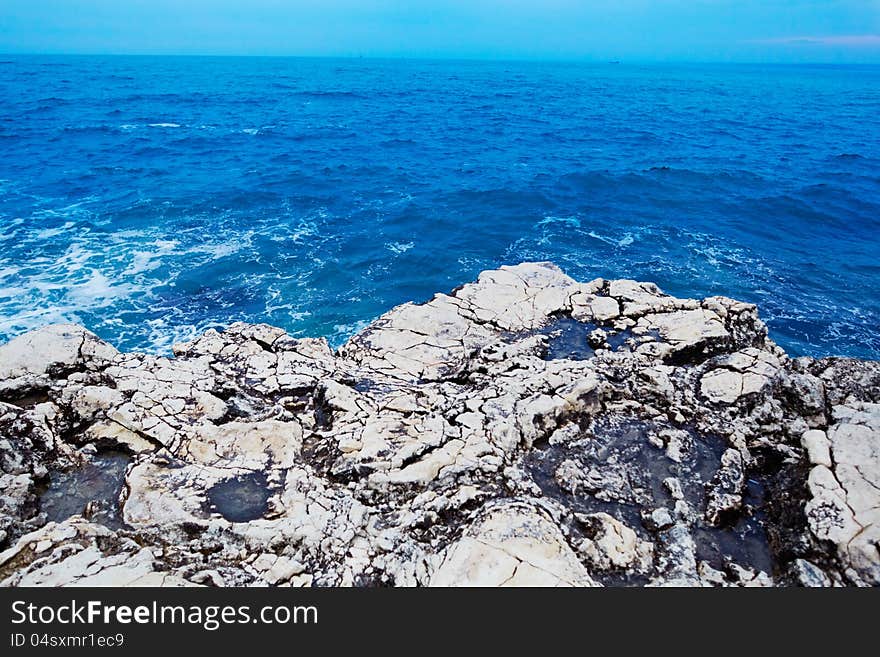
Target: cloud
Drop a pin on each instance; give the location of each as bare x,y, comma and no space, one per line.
845,40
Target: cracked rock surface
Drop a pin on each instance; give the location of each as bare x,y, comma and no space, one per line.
525,429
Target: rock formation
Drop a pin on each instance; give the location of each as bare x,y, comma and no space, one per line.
525,429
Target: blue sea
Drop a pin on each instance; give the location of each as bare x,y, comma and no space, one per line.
152,198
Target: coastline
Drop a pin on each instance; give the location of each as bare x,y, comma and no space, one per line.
525,429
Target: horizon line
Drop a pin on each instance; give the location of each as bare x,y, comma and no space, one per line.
451,58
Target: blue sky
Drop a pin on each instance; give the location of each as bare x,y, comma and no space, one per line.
640,30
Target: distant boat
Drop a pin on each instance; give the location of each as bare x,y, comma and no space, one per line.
614,61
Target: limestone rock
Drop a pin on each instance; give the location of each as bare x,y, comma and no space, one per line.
845,503
524,429
511,547
35,359
612,544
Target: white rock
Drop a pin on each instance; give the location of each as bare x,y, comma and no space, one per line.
513,546
817,446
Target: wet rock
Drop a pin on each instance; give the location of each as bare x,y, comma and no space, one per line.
725,489
658,519
597,338
611,544
526,428
810,575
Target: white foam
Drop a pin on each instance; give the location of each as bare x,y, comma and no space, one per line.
46,233
146,261
97,291
297,234
342,332
12,291
550,219
399,247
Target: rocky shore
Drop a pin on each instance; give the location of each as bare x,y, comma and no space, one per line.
525,429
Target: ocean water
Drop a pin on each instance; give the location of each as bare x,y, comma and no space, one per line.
152,198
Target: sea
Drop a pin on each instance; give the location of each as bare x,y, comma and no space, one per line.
152,198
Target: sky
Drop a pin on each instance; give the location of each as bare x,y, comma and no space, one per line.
833,31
